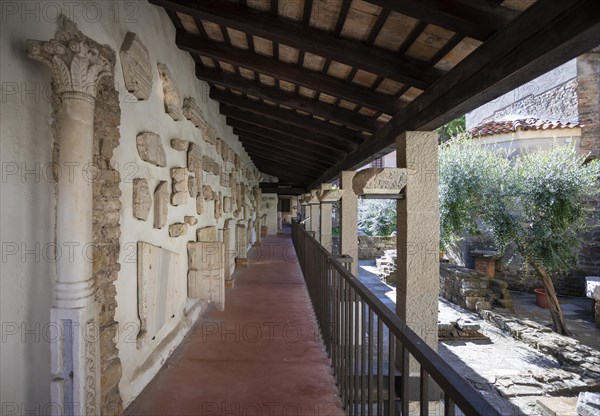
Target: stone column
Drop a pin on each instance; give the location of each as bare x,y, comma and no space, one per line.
75,349
349,220
304,210
315,216
418,235
327,198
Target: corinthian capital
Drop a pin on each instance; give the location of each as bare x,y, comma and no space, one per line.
76,67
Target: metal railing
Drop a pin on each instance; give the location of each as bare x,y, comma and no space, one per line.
371,349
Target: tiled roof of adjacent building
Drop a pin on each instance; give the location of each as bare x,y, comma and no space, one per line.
508,126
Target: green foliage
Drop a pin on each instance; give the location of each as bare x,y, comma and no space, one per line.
377,217
536,200
451,129
469,172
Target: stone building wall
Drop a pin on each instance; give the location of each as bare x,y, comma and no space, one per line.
552,96
369,248
588,77
106,230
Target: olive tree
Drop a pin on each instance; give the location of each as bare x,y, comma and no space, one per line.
535,200
377,216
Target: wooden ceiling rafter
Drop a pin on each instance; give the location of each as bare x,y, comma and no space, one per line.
253,124
476,19
286,116
298,102
281,127
328,45
276,145
283,155
268,66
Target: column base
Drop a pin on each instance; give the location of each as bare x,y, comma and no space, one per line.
75,361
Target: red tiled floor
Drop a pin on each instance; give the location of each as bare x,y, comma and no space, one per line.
261,356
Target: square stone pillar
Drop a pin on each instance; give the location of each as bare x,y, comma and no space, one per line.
303,213
418,235
327,195
315,215
349,220
325,232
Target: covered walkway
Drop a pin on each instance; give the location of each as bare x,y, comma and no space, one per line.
262,355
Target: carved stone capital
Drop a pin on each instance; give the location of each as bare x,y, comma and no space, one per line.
330,195
76,66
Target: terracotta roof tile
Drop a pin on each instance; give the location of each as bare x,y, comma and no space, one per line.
508,126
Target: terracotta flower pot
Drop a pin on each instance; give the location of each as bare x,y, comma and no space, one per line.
541,298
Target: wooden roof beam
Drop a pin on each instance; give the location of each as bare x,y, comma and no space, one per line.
285,138
298,102
285,157
301,134
284,169
283,115
476,19
288,72
319,42
274,144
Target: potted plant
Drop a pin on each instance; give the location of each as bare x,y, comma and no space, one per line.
541,297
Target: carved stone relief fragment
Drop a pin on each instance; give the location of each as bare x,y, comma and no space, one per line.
172,96
193,113
142,201
137,69
161,204
178,229
150,149
179,178
190,220
180,144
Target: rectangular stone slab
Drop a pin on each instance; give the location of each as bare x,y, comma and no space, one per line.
157,270
206,278
207,234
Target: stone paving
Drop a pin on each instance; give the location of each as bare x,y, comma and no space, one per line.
504,364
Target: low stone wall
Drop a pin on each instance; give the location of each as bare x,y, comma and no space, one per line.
386,266
471,289
369,248
526,280
580,364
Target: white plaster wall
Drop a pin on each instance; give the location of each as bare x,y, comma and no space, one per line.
27,218
28,207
